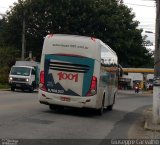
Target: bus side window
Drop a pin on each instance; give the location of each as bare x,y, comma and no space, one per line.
103,55
102,61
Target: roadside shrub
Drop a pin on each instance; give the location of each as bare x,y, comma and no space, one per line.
8,57
4,71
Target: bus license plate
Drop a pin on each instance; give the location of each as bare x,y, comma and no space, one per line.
65,99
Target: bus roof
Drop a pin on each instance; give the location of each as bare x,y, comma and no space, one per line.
74,44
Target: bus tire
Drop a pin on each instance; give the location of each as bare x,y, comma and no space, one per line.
110,107
100,110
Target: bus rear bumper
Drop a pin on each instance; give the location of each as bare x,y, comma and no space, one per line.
68,101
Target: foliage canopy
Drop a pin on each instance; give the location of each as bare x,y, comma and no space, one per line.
104,19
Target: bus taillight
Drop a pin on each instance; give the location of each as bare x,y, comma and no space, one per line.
93,87
42,85
42,77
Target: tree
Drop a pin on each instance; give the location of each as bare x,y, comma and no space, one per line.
7,59
8,56
108,20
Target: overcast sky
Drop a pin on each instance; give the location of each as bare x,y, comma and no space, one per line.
144,10
4,5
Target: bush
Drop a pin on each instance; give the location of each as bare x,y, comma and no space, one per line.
8,57
4,75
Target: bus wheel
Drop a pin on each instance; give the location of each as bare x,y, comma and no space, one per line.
110,107
100,110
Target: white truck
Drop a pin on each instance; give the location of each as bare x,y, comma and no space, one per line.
24,75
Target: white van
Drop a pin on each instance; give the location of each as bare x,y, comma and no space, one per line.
77,71
24,75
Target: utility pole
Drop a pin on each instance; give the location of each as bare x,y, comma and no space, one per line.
23,37
156,83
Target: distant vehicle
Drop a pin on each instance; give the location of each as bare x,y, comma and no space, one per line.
149,86
77,71
137,88
24,75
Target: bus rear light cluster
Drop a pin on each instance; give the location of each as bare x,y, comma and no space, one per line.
43,95
42,80
42,77
93,87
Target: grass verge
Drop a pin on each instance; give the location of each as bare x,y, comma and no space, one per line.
4,86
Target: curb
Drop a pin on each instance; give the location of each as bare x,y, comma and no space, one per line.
147,92
5,89
148,124
151,127
143,128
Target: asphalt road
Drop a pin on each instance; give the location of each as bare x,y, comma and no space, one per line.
23,117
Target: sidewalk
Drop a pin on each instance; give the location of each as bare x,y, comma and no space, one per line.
133,92
143,128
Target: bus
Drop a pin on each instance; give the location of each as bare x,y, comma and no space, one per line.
77,71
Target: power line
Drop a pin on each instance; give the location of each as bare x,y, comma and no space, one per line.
147,0
3,7
140,5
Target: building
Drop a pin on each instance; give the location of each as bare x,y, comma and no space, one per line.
132,76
